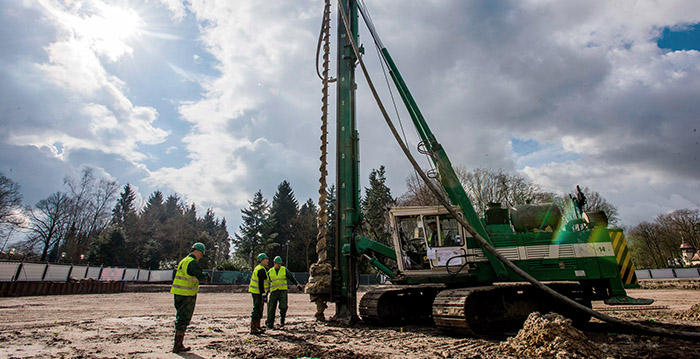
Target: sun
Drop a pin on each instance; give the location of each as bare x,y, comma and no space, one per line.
119,23
110,29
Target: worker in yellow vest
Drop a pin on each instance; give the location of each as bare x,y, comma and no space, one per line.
185,287
278,292
259,287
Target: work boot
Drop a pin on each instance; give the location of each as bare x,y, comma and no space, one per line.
255,327
179,337
281,322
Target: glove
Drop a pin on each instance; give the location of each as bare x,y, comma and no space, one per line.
264,298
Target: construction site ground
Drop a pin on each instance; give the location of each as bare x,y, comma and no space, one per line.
140,325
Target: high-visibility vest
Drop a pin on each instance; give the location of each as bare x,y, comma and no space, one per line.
254,286
278,281
431,239
185,284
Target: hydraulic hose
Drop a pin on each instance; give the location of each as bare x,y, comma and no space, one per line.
479,238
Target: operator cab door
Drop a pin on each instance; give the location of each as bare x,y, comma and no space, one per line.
444,240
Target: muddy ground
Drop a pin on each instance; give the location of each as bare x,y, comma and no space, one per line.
140,325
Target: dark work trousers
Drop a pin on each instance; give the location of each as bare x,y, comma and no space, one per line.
277,296
184,305
257,307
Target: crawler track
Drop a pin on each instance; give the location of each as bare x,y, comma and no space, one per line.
398,306
486,310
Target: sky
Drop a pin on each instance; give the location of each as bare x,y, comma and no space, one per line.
215,100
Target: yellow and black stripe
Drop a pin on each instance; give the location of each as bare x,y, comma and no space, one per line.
624,259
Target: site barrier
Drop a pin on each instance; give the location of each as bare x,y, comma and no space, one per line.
14,271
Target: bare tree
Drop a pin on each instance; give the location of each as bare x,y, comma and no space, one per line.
91,200
645,246
417,193
657,244
685,223
10,203
49,220
483,186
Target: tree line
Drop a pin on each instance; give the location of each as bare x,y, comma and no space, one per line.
91,222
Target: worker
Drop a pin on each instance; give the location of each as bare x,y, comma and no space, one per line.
433,237
259,287
185,287
278,292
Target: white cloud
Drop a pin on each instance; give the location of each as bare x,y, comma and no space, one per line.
242,137
91,109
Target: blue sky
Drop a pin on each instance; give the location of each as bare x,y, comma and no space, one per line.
214,100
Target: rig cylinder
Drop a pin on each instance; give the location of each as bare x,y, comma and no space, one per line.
528,217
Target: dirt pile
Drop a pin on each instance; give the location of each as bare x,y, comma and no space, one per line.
691,314
319,280
550,336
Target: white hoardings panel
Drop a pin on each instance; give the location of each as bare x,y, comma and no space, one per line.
112,273
93,273
143,275
8,271
686,273
162,275
665,273
642,274
78,272
131,274
57,273
31,272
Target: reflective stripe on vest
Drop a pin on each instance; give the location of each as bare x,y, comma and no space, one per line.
254,286
185,284
278,281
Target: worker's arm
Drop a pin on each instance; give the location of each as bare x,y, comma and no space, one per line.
291,278
262,277
195,270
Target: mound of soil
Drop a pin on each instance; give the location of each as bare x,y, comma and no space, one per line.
691,314
550,336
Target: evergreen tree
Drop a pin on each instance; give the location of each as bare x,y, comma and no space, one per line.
152,233
256,233
124,216
109,249
304,253
124,211
285,210
376,205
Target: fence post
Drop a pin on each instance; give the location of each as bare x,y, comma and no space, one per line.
70,271
99,274
19,270
46,269
149,275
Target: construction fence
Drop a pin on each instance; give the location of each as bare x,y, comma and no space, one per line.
13,271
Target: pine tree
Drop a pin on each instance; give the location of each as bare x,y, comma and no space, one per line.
304,253
256,233
124,210
285,210
376,205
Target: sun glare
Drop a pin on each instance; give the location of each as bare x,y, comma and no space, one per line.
109,29
116,23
